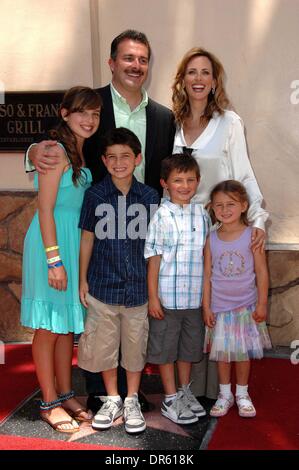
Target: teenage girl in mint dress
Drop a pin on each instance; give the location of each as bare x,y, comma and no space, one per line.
50,295
235,297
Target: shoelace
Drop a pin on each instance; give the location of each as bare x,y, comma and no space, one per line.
182,405
190,395
108,407
132,410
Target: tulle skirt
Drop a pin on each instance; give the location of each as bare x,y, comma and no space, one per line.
236,336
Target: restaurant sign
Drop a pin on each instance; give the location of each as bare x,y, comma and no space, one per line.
26,116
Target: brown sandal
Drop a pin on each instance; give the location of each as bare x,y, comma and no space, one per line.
74,414
45,407
59,423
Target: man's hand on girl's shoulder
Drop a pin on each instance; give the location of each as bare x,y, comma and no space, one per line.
45,155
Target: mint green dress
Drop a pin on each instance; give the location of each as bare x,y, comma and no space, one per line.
41,305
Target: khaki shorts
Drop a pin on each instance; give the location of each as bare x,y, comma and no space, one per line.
110,328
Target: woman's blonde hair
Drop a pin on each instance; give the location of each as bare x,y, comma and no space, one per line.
216,102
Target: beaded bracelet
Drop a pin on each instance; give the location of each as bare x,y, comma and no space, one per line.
51,248
56,265
54,259
49,405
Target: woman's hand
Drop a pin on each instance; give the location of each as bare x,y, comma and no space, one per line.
57,278
155,308
209,318
258,239
83,291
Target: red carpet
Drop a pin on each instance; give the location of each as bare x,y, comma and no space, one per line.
18,374
17,378
274,386
31,443
151,369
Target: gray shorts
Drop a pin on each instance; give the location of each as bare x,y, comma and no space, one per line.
179,336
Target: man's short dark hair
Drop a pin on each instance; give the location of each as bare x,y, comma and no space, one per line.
182,162
134,36
121,136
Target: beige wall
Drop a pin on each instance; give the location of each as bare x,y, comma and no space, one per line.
44,45
255,39
257,42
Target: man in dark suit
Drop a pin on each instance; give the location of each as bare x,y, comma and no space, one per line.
159,139
125,104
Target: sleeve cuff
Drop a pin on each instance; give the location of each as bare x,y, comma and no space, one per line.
149,253
28,164
259,223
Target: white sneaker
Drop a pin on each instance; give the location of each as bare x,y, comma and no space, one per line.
109,412
177,411
191,401
134,420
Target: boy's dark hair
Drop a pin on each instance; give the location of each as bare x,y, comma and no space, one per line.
236,191
134,36
121,136
182,162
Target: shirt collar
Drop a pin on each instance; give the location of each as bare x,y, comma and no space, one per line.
110,188
202,140
176,208
117,98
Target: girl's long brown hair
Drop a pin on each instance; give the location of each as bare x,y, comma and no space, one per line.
76,99
216,102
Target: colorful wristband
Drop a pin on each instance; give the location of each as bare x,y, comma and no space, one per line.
56,265
54,259
51,248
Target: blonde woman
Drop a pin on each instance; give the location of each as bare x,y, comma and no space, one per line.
213,134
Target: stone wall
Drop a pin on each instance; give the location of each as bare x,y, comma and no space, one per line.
283,317
16,211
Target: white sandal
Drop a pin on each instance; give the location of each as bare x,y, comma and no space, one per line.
222,406
245,405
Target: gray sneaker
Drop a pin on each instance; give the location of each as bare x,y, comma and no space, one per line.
177,411
191,401
109,412
134,420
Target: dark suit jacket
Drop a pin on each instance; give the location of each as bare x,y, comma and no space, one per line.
160,130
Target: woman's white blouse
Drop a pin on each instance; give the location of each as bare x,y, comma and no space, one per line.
221,154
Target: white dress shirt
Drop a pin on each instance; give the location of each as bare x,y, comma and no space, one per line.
221,154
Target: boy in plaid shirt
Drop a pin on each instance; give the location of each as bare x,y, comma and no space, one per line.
113,278
174,247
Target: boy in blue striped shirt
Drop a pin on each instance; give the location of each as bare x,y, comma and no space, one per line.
174,247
